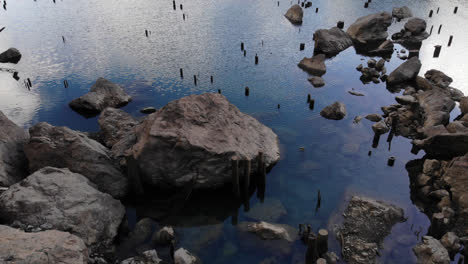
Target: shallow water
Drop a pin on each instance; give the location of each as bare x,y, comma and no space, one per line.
107,38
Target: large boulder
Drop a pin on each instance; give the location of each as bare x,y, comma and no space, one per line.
405,72
431,251
13,163
315,65
191,141
294,14
102,94
366,223
370,31
335,111
402,12
331,41
66,201
45,247
62,147
11,55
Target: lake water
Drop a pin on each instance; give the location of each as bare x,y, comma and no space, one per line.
106,38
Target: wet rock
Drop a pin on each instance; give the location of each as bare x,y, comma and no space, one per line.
148,110
191,141
147,257
405,72
317,82
315,65
380,65
183,256
102,94
406,100
451,242
413,34
384,49
359,67
331,41
431,251
13,163
437,105
67,201
267,231
402,12
380,128
370,30
416,26
455,177
11,55
114,125
335,111
45,247
374,117
438,78
164,236
366,223
271,211
371,63
62,147
295,14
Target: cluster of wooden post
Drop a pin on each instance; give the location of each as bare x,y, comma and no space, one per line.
317,244
65,83
28,83
241,172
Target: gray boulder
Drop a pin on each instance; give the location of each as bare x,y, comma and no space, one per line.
66,201
431,251
335,111
295,14
11,55
102,94
45,247
62,147
331,41
405,72
191,141
370,30
315,65
451,242
13,163
402,12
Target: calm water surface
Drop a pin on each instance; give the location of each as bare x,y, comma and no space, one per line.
107,38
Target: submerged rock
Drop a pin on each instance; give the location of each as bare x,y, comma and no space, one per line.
315,65
267,231
62,147
370,31
183,256
191,141
13,163
402,12
66,201
366,223
331,41
271,211
11,55
295,14
405,72
335,111
431,251
317,82
102,94
45,247
147,257
385,49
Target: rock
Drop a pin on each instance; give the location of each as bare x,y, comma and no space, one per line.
366,223
380,65
13,163
331,258
317,82
451,242
191,141
438,78
464,105
374,117
439,194
423,84
406,100
267,231
295,14
65,200
115,124
444,145
11,55
315,65
384,49
456,94
331,41
371,63
402,12
455,177
271,211
380,128
437,105
405,72
164,236
335,111
140,233
352,92
182,256
148,110
431,251
375,80
45,247
102,94
416,26
62,147
359,67
147,257
458,127
370,30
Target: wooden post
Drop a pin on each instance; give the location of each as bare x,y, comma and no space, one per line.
375,141
437,51
181,73
437,225
195,80
242,46
235,177
391,161
366,4
146,32
311,253
450,41
302,46
261,176
340,24
430,13
322,242
278,3
247,167
245,53
211,78
319,201
183,16
308,98
311,104
440,28
279,106
15,75
29,82
430,32
316,10
369,153
173,4
181,7
438,10
219,91
256,59
455,10
247,91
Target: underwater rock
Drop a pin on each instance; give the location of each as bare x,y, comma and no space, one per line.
11,55
62,147
385,49
102,94
164,236
402,12
267,231
67,201
406,72
270,211
335,111
45,247
352,92
370,31
314,65
295,14
13,163
317,82
331,41
147,257
431,251
183,256
191,141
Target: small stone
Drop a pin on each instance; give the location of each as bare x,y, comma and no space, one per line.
317,82
374,117
380,128
148,110
335,111
371,63
359,67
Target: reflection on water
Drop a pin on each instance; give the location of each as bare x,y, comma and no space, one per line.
107,38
